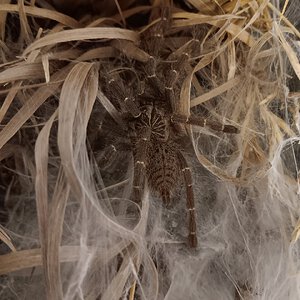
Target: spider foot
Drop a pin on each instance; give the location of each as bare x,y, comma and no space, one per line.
192,240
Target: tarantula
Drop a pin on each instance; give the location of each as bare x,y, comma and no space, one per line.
152,122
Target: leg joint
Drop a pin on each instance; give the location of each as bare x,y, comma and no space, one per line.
139,162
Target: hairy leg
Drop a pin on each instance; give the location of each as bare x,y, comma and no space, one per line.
186,170
198,121
141,144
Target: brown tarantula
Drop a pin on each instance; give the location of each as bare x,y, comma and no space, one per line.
151,119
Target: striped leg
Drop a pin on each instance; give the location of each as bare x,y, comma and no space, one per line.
153,39
121,94
106,157
109,154
198,121
140,164
178,70
152,78
186,170
169,88
171,91
139,180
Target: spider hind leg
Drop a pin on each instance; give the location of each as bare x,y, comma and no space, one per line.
185,169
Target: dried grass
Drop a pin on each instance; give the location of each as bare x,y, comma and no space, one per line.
77,224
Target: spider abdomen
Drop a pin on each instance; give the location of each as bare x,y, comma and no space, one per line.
162,169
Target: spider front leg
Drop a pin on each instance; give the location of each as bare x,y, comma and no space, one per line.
202,122
179,68
152,78
186,170
121,94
